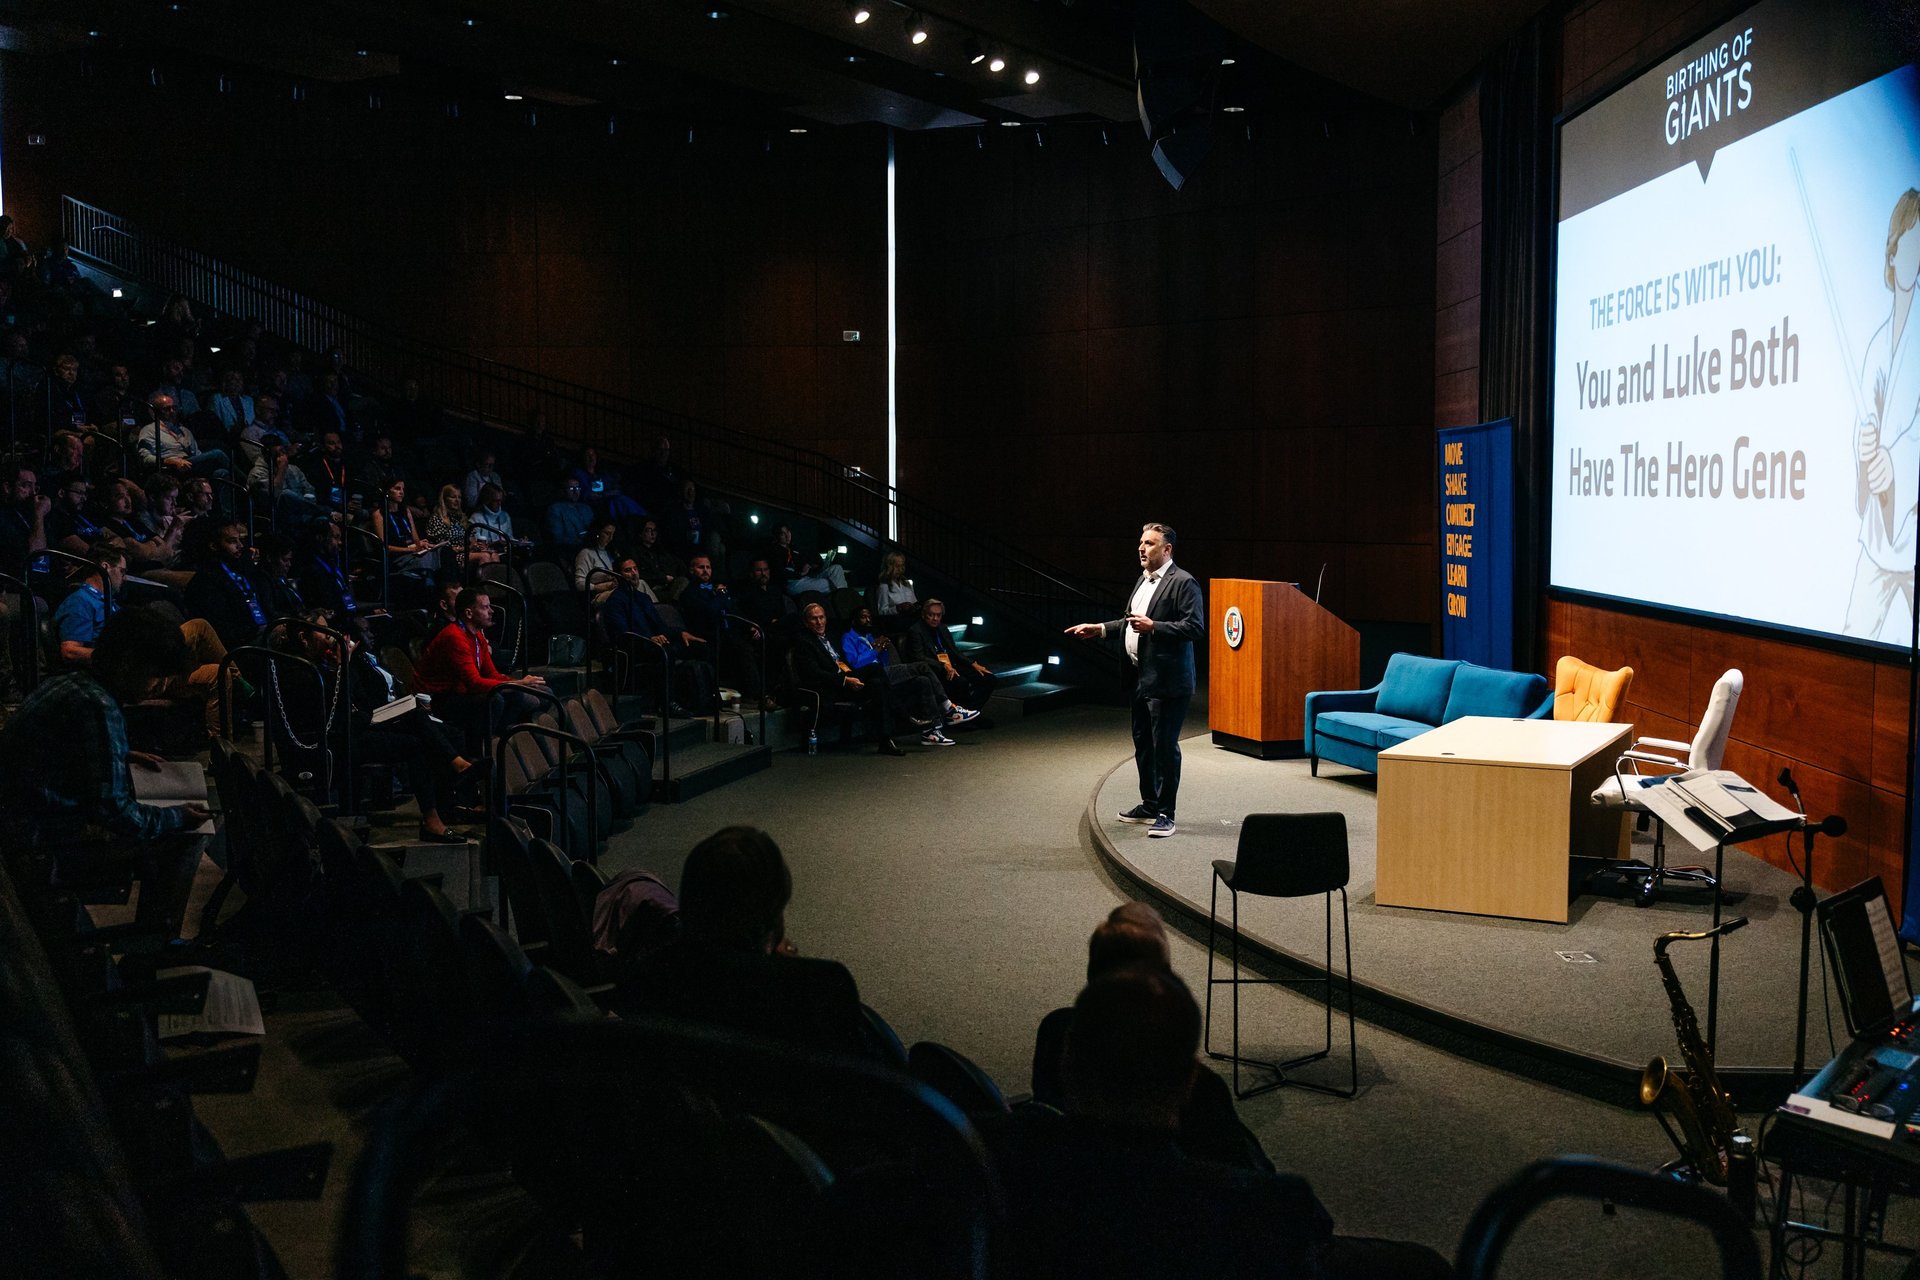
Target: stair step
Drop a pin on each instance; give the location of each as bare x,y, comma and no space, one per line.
709,766
1016,673
1031,698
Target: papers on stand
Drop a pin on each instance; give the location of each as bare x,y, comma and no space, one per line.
232,1007
174,783
1710,808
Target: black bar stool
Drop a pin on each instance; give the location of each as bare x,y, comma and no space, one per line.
1284,855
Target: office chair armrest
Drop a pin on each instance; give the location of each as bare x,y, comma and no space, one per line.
1667,743
1653,757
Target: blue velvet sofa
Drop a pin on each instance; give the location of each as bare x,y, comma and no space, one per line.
1352,727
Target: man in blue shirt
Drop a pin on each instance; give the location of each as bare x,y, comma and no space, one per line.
569,519
83,615
914,684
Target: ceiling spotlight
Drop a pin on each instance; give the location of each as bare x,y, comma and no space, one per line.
1226,62
796,129
466,22
359,53
975,54
716,14
511,97
1233,109
916,27
996,64
854,57
1009,124
859,12
1032,76
613,62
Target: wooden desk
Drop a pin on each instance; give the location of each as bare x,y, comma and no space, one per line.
1481,815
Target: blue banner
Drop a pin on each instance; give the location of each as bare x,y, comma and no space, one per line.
1476,542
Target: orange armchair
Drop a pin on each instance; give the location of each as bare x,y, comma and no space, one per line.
1582,691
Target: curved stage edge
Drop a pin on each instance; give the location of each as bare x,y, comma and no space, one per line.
1175,875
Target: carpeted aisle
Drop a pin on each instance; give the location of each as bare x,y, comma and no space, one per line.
959,885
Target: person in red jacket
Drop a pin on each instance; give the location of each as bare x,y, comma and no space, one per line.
457,670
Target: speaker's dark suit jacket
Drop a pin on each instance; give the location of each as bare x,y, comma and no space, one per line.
1179,616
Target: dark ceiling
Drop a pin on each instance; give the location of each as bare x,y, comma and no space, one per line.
803,61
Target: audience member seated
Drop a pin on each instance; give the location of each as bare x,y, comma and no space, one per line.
660,569
733,965
174,386
772,610
1210,1129
411,559
893,595
628,616
149,554
929,641
482,475
1106,1190
491,519
65,768
800,574
457,668
914,684
285,597
66,397
280,479
115,406
226,589
66,460
377,469
657,480
70,527
734,646
232,407
166,443
23,519
593,563
568,519
689,525
600,485
326,581
326,410
330,474
83,614
819,669
413,741
196,497
447,525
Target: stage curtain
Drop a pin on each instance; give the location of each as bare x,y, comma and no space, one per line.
1517,92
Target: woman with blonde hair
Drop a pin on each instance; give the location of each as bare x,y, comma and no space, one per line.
448,524
893,593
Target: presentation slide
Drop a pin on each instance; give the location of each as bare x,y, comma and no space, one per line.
1736,384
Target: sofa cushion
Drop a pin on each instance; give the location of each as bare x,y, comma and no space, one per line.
1394,734
1483,691
1366,728
1415,688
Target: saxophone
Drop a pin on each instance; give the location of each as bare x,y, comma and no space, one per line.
1689,1099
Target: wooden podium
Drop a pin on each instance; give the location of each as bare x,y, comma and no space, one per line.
1271,647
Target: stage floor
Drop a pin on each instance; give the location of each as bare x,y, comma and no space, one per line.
1605,1004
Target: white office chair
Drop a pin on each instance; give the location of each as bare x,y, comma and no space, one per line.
1648,757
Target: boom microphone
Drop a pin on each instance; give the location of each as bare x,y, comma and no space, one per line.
1321,583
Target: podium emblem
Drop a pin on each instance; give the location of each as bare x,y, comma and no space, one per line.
1236,627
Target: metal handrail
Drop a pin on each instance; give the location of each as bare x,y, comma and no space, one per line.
586,648
665,712
346,646
754,467
223,680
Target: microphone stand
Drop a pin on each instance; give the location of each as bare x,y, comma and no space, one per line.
1804,900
